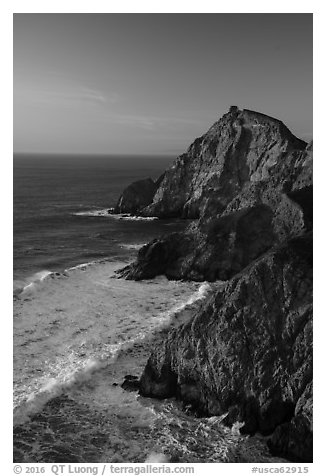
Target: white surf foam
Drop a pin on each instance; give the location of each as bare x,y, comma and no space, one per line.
94,213
157,458
84,265
133,217
55,386
107,212
32,282
199,295
133,246
74,369
71,373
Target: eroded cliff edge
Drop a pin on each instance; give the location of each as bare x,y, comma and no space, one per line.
247,183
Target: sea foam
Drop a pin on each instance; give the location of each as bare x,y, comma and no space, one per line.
65,373
134,246
116,216
29,284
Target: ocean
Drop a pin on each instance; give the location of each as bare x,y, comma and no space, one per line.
59,202
79,330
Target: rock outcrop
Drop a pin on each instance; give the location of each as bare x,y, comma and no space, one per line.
136,196
248,352
247,185
242,147
249,180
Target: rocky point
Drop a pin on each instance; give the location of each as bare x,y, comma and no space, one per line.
247,353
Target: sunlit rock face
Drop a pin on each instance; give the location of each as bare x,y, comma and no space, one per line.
248,180
243,146
247,353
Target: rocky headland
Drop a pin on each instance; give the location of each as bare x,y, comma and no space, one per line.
247,352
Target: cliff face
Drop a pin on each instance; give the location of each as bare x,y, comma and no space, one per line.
247,352
243,146
249,180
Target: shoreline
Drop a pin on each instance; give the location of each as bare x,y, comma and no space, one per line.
100,275
28,409
42,274
241,447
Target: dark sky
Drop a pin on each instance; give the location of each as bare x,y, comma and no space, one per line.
151,83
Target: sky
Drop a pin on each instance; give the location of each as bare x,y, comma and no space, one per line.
151,83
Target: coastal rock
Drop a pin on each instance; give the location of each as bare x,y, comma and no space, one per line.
243,146
130,383
160,256
248,352
245,205
295,437
218,248
136,196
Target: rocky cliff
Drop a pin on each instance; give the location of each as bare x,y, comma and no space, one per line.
248,352
247,183
242,147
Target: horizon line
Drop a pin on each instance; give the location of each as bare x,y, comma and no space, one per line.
99,154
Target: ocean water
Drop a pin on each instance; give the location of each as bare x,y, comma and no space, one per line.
59,210
79,330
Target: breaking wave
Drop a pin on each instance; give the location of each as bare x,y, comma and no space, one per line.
69,374
133,246
29,284
199,295
116,216
74,371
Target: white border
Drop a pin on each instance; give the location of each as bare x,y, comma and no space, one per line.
100,6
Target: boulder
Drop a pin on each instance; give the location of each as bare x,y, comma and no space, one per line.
130,383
